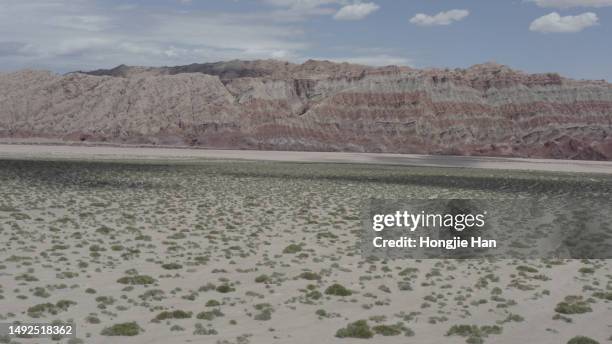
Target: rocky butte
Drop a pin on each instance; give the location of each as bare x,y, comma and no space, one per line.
486,109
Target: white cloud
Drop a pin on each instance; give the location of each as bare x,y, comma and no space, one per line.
66,35
80,22
376,60
298,9
553,22
356,11
301,3
126,7
442,18
572,3
294,10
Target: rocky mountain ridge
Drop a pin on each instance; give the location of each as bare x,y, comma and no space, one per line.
486,109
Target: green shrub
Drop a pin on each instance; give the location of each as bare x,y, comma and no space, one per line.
582,340
474,333
573,305
603,295
404,285
315,295
310,276
177,314
137,280
322,313
488,330
524,268
264,315
200,330
39,310
327,235
41,292
210,315
408,271
104,301
358,329
123,329
293,248
586,270
464,331
338,290
172,266
388,330
152,295
213,303
262,279
225,289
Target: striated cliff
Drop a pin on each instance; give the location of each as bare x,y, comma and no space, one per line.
487,109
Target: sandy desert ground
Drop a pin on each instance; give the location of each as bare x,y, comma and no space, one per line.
180,249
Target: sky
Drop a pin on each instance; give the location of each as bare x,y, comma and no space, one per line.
571,37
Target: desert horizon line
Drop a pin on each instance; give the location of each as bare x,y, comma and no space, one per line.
312,60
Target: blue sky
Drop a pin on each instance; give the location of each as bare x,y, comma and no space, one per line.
572,37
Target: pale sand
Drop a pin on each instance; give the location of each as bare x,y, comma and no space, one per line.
17,151
236,209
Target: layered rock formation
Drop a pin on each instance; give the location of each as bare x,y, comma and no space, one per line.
487,109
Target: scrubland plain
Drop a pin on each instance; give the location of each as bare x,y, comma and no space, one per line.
241,252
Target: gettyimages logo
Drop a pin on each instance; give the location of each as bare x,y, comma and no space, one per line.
412,222
461,228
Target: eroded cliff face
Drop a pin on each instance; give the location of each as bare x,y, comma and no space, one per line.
323,106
